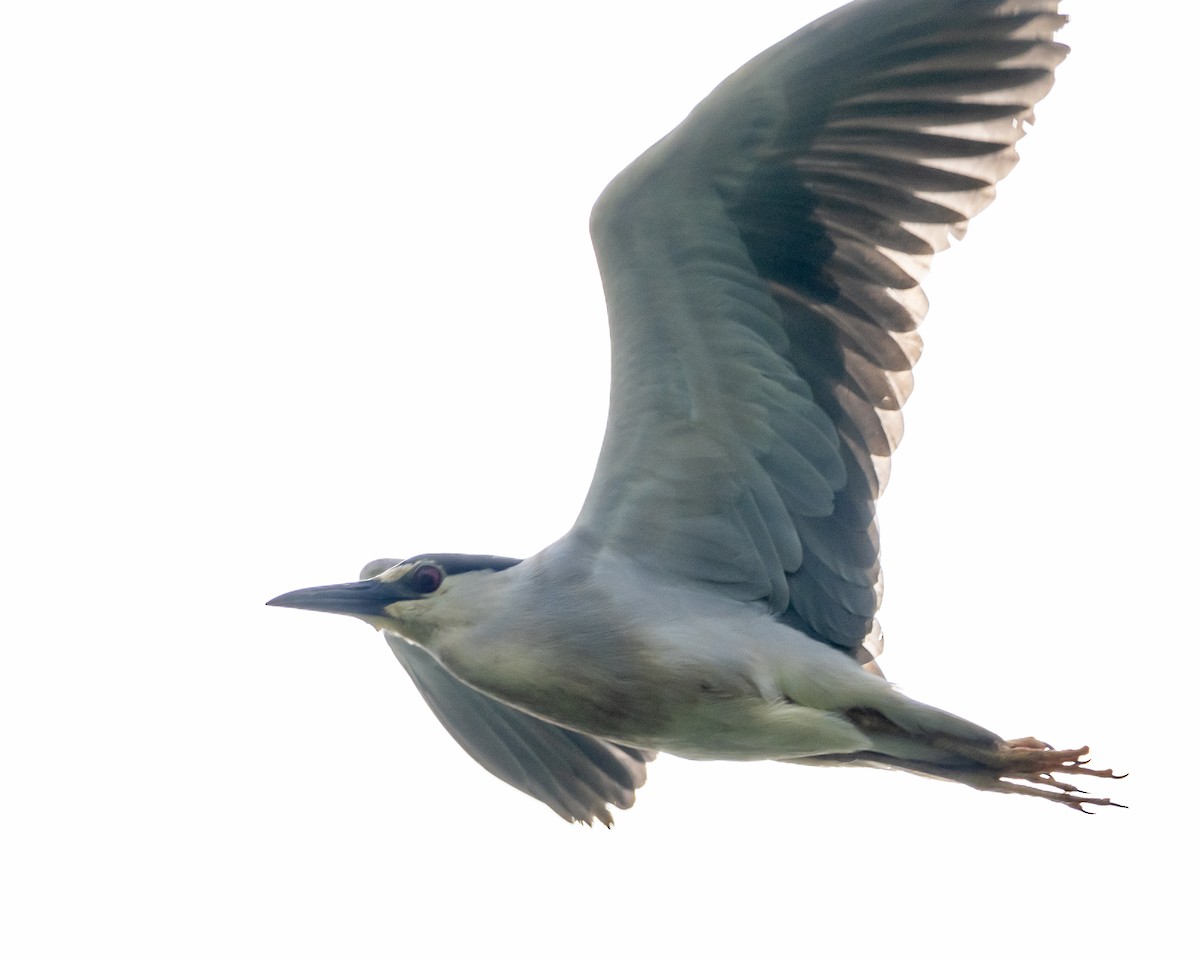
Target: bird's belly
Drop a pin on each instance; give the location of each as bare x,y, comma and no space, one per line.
700,722
698,704
628,699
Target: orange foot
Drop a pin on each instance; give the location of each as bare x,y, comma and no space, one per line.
1027,767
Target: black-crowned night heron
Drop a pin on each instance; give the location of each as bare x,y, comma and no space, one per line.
716,597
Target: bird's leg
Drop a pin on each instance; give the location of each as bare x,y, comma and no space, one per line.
1027,767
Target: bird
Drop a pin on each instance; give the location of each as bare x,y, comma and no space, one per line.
717,595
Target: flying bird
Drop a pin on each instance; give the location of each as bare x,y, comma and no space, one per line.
717,595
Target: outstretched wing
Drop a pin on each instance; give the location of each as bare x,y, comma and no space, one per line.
762,265
574,774
578,776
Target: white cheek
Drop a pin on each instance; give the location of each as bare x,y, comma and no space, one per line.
407,618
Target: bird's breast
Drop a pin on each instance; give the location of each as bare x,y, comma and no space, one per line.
612,675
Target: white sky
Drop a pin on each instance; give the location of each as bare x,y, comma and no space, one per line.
292,286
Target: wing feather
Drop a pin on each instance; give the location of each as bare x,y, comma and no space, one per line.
762,267
575,774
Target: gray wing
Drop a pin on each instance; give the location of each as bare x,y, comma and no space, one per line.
574,774
762,265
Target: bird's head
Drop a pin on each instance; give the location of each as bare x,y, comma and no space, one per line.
409,597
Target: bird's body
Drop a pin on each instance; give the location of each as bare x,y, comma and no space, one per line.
716,597
660,665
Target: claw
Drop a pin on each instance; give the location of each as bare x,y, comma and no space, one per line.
1019,760
1026,767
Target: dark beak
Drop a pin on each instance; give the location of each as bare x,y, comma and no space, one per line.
363,598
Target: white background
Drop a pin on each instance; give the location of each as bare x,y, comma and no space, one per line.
287,287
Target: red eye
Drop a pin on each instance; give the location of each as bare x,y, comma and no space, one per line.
427,578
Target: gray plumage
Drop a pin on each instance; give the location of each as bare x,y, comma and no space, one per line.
717,596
